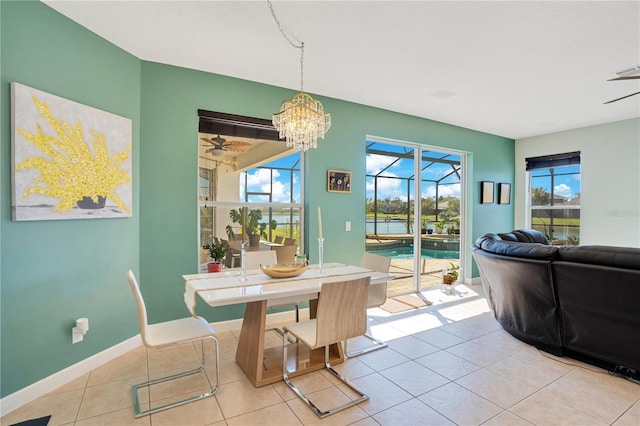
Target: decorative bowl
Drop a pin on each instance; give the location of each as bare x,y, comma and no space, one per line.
283,270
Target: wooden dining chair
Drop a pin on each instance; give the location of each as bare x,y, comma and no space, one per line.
341,314
232,259
174,332
260,257
377,297
285,254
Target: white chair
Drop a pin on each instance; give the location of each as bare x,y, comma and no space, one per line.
260,257
269,257
173,332
341,314
377,297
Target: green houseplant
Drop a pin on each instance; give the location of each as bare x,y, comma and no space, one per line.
251,222
217,252
450,275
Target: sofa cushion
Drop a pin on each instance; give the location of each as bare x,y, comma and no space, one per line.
493,243
530,236
616,257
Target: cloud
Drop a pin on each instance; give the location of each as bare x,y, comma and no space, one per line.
260,181
563,190
386,187
443,191
376,162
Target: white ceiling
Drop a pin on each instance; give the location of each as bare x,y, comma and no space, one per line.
514,69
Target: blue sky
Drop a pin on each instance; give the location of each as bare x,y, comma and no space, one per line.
259,180
566,185
404,168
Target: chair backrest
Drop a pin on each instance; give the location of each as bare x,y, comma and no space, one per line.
375,262
278,239
142,309
285,254
264,257
378,292
342,311
290,242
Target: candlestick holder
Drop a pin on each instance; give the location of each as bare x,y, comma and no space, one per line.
243,260
321,254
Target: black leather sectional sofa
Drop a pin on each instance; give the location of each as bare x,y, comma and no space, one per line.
582,301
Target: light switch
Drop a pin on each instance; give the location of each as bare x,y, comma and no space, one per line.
347,226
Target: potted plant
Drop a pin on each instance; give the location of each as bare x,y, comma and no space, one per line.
217,252
251,223
439,226
456,226
449,278
450,275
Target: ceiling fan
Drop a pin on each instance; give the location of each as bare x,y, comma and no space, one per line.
219,145
632,73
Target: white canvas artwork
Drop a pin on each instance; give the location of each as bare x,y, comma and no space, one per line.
70,161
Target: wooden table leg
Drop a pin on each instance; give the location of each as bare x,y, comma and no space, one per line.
251,341
265,367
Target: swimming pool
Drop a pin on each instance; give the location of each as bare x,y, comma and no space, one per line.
406,252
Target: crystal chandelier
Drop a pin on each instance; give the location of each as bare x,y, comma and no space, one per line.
301,120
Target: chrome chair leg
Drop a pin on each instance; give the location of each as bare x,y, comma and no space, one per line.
200,368
377,344
320,413
281,332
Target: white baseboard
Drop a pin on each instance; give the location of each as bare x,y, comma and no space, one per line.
62,377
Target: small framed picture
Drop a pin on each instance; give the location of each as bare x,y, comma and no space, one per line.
504,193
486,192
338,181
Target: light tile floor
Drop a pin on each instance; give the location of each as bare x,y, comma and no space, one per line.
449,363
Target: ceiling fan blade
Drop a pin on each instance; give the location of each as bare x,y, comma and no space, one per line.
624,97
235,149
633,77
236,146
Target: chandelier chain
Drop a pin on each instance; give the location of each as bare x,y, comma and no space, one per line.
297,46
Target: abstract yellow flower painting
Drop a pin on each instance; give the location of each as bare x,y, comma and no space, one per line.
70,161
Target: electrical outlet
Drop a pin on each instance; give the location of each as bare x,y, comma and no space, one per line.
347,226
76,335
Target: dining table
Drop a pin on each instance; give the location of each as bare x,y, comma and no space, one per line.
254,288
264,245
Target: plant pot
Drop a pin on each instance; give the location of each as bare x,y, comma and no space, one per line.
88,203
214,267
254,240
448,280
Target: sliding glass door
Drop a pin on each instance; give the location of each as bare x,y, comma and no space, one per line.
423,237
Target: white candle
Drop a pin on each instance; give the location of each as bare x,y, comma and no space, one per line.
319,223
244,218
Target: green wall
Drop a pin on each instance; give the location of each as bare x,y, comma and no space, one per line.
171,97
56,271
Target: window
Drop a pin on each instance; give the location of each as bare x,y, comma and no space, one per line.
554,197
242,163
